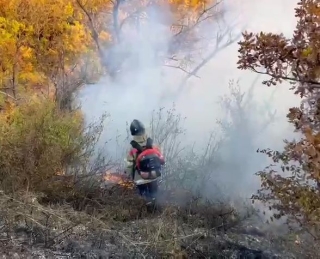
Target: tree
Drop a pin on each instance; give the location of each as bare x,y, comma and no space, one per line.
292,192
113,17
52,46
40,45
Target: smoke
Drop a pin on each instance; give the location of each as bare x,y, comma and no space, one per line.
144,84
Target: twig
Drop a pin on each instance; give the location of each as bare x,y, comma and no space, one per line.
8,95
178,67
94,32
207,59
65,231
312,84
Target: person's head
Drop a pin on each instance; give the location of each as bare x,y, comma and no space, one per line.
137,128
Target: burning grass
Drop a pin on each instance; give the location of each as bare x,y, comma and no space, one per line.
113,178
111,219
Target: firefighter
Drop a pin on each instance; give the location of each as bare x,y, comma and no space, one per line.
144,161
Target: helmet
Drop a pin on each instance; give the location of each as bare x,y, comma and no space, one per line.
137,128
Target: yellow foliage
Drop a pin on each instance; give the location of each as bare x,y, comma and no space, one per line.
36,37
40,39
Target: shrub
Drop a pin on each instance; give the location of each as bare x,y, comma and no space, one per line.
37,142
290,186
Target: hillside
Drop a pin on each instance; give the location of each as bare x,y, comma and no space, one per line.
63,196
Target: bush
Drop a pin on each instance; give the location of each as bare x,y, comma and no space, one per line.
290,186
37,142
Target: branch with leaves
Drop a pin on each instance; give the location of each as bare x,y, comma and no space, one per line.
294,191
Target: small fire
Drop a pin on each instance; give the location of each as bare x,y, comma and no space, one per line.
60,173
116,178
113,178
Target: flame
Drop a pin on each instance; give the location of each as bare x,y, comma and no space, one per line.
113,177
107,177
60,173
117,178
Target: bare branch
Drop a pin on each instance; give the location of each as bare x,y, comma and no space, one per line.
199,20
311,83
115,14
8,95
180,68
94,33
207,59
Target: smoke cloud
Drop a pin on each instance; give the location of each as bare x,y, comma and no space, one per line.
144,84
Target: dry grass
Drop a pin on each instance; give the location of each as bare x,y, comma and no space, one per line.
120,222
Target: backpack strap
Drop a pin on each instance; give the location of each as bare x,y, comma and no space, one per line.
136,145
149,143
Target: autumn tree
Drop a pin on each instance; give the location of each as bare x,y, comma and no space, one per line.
293,191
43,46
113,19
53,47
41,42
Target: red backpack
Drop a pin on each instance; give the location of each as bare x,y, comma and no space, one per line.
149,158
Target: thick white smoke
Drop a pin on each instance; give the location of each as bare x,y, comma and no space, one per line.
145,84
